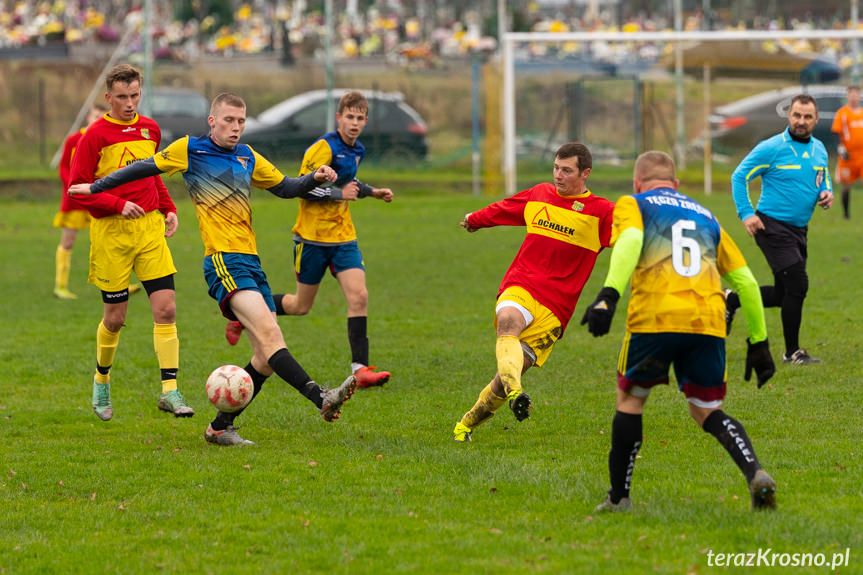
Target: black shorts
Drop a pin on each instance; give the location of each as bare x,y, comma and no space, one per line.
782,244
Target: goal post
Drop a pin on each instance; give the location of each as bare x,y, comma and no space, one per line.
511,39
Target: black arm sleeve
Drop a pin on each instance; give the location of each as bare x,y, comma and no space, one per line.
135,171
365,190
295,187
323,193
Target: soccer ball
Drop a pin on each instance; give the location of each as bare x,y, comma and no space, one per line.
230,388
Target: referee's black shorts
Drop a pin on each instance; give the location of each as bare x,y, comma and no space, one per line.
782,244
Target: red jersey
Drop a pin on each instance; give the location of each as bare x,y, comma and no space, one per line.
110,144
564,236
64,169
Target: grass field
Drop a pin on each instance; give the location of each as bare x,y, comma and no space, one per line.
385,489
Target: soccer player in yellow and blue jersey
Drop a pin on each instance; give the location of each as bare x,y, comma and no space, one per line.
218,172
675,253
325,238
128,233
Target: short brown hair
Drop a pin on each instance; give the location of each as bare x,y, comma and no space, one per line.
122,73
654,166
226,99
354,101
804,99
574,149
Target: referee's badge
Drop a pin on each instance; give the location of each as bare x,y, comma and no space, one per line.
819,178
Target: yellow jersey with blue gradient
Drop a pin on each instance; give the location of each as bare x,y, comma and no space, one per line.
329,221
676,285
219,181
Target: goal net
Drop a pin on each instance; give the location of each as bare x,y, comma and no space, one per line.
649,90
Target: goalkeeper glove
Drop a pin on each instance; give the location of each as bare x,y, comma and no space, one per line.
598,315
758,358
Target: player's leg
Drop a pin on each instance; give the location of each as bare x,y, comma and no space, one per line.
299,303
310,264
491,398
111,260
626,436
352,279
260,323
166,343
701,375
643,363
154,266
846,201
107,340
63,263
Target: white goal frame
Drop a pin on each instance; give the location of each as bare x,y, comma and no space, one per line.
510,39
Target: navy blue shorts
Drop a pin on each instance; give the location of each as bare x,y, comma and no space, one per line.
699,364
227,273
311,261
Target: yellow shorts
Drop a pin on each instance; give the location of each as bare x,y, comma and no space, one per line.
73,219
119,245
543,329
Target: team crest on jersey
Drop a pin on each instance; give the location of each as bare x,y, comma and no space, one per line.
145,132
244,161
577,206
819,178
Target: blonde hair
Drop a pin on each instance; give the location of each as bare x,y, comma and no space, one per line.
226,99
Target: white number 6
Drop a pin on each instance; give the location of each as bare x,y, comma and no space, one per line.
679,243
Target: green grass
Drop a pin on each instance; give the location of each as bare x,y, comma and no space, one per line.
385,489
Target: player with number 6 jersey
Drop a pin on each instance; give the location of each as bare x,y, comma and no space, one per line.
675,252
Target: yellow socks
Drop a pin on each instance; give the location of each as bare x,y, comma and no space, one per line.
62,262
510,360
484,408
106,347
167,346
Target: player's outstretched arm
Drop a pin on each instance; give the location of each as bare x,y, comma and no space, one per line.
303,185
758,357
135,171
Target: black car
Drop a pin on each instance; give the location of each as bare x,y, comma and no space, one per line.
737,127
179,112
394,129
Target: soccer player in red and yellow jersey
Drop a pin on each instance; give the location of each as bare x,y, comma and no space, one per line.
567,227
128,233
848,124
72,216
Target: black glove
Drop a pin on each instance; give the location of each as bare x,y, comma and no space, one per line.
598,315
758,358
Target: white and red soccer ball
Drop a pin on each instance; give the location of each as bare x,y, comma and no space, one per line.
230,388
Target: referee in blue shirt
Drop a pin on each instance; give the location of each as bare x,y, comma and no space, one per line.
794,179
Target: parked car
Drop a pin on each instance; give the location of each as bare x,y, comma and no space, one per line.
738,126
394,129
179,112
